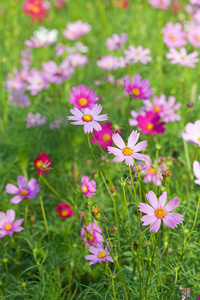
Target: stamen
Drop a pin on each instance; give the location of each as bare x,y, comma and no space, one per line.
150,126
127,151
87,118
23,192
8,227
106,137
101,254
136,92
160,213
82,101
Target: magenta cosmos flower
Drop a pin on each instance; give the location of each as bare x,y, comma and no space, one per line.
138,88
161,4
150,123
99,254
25,190
158,210
91,234
182,58
88,187
76,29
129,152
174,36
104,137
88,118
7,227
192,133
83,97
64,211
196,170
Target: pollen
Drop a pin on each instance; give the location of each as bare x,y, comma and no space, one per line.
87,118
82,101
63,212
127,151
102,254
136,92
85,189
197,38
106,137
157,108
8,227
33,8
160,213
198,139
23,192
152,171
172,37
38,164
182,57
150,126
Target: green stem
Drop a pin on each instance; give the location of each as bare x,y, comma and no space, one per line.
124,194
113,286
187,155
43,211
26,213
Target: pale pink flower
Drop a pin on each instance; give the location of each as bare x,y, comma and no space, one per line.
192,133
88,118
76,29
196,170
34,120
161,4
185,292
129,152
194,35
99,254
152,172
135,54
37,82
91,234
57,74
7,224
42,37
116,41
88,187
174,36
182,58
158,210
108,62
77,60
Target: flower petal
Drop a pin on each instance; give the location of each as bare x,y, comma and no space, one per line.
10,215
16,199
162,200
172,204
172,219
146,208
21,181
155,225
12,189
117,139
133,138
152,199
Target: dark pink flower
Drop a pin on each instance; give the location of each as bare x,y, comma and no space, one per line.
64,211
138,88
83,97
88,187
91,234
37,9
150,123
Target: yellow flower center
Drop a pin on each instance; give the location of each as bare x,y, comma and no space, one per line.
160,213
101,254
172,37
106,137
87,118
63,212
197,38
136,92
38,164
85,189
199,139
127,151
157,108
152,171
138,53
33,8
8,227
182,57
82,101
23,192
150,126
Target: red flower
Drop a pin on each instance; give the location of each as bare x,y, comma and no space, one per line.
36,8
122,3
64,210
42,163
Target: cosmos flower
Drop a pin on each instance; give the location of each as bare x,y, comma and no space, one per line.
129,152
76,29
37,82
55,124
26,58
182,58
152,172
88,118
34,120
108,62
83,97
88,187
174,36
37,9
42,163
161,4
24,189
185,292
42,37
158,210
135,54
99,254
194,35
7,227
116,41
192,133
57,74
150,123
77,59
138,88
91,234
64,211
196,170
104,137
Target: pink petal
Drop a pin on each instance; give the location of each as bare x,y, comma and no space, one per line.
16,199
172,219
140,146
114,151
133,138
18,229
119,158
148,219
90,257
21,181
10,215
162,200
139,156
12,189
129,161
117,139
146,208
152,199
172,204
17,223
155,225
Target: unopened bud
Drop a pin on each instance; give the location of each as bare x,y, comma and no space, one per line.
148,243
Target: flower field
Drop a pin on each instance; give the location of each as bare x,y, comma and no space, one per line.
100,149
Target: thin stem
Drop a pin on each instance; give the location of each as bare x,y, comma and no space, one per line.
113,286
124,194
26,213
43,211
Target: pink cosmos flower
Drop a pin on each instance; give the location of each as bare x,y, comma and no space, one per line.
83,97
77,60
152,172
99,254
88,187
108,62
161,4
76,29
26,58
64,211
57,74
34,120
42,37
135,54
7,227
88,118
60,49
198,297
129,152
37,82
165,109
104,137
24,189
55,124
158,210
42,163
18,99
182,58
185,292
196,170
91,234
116,41
139,88
174,36
192,133
36,8
150,123
194,35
